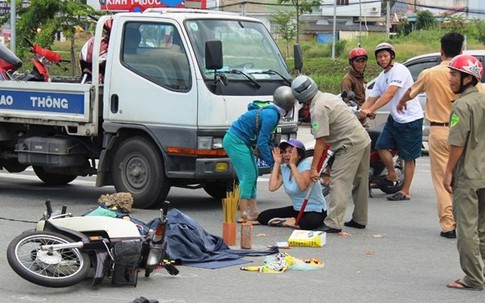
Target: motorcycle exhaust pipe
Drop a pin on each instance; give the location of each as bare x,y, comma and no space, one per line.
52,247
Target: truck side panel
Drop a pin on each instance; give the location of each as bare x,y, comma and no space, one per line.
69,105
46,101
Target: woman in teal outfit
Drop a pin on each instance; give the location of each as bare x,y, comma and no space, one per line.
252,131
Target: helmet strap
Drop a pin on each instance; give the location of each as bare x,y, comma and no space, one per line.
389,64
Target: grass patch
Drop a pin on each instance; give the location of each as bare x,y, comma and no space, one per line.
328,73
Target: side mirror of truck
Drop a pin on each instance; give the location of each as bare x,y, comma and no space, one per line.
213,54
298,58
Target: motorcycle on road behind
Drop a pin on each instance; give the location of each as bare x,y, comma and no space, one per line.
62,248
377,169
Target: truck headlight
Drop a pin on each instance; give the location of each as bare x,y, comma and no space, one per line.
209,143
204,143
217,143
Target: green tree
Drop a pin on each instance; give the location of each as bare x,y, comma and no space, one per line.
286,27
404,28
479,30
43,19
301,6
425,20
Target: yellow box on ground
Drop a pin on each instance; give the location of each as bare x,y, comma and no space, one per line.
308,238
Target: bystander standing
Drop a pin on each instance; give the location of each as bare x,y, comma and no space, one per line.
402,131
465,170
439,97
333,123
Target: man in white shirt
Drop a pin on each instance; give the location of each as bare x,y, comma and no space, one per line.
403,130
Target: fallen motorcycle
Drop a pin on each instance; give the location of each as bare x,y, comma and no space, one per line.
62,249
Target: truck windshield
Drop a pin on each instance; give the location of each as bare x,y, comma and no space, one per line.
247,47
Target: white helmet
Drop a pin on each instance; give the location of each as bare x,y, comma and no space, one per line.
283,97
387,47
303,88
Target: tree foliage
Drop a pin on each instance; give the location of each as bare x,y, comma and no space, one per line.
286,27
404,28
43,19
301,7
425,20
479,30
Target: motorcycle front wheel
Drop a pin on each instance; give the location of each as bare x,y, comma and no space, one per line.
390,188
58,268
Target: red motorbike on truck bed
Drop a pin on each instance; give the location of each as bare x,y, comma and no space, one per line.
43,58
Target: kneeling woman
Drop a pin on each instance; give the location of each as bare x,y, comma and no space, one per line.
294,175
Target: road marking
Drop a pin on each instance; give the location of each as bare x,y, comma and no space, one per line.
35,178
29,298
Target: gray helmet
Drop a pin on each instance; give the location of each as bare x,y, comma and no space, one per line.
303,88
283,97
385,46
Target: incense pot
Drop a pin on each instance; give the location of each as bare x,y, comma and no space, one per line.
229,233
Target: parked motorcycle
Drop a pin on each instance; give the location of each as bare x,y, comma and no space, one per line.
62,249
377,169
41,61
9,63
43,58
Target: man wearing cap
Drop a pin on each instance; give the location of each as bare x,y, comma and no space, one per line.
465,170
334,123
354,79
403,131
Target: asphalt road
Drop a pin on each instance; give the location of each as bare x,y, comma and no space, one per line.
399,257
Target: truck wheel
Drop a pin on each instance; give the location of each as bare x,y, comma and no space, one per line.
53,178
13,166
138,169
218,190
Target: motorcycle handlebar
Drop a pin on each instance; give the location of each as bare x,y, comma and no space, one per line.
48,206
50,55
166,205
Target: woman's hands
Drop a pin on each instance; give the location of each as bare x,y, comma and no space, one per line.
277,156
294,157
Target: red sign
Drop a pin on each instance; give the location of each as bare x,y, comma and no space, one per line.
141,5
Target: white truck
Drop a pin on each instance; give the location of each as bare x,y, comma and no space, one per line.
174,81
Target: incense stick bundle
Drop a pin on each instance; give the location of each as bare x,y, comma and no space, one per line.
230,204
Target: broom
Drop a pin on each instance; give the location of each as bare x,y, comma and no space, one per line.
309,191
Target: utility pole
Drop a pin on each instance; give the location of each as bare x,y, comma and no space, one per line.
388,20
360,23
334,28
243,8
13,19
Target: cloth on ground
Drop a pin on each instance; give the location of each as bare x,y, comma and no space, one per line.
189,243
